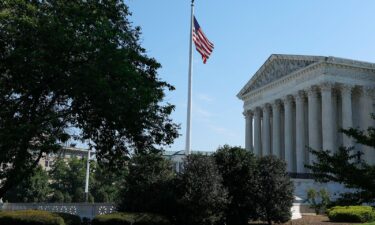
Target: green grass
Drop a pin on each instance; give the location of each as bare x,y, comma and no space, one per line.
373,223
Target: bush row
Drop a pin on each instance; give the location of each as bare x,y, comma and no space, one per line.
356,214
230,187
37,217
130,219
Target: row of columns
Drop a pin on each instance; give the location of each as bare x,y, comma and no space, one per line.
290,143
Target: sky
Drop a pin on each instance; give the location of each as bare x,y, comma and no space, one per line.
245,33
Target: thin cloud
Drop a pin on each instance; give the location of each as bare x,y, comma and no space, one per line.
205,97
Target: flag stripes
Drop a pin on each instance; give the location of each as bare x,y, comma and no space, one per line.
202,44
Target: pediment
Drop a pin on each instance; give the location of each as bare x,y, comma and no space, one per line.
276,67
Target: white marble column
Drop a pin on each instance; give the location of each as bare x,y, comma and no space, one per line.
347,113
288,132
300,131
313,121
327,117
249,130
367,108
276,128
266,134
257,133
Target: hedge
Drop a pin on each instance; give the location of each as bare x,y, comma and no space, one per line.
130,219
359,214
70,219
30,217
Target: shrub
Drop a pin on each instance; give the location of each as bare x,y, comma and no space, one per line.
275,193
148,185
237,166
318,200
354,214
30,217
130,219
201,197
70,219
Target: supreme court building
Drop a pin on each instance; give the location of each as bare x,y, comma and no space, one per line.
295,101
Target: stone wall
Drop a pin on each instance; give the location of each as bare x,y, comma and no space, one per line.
88,210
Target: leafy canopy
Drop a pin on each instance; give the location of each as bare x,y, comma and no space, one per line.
346,166
68,65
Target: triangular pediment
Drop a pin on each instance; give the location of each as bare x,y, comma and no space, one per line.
276,67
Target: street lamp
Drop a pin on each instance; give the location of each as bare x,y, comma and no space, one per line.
87,176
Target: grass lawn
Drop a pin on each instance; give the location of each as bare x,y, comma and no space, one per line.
373,223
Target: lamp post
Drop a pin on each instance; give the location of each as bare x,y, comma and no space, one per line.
87,176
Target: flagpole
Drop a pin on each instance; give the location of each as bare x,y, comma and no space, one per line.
188,122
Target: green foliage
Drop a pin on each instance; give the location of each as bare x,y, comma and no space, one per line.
130,219
34,188
106,186
70,219
68,179
237,166
201,197
342,167
30,217
318,200
275,193
351,214
91,74
148,185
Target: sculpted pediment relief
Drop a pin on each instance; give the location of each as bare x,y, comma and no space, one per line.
276,67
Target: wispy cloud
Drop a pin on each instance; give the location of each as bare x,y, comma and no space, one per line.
205,97
222,131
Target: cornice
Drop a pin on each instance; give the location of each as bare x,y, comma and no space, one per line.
323,66
320,60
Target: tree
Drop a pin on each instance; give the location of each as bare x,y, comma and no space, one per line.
76,64
68,178
275,194
148,185
34,188
106,185
201,197
237,166
346,167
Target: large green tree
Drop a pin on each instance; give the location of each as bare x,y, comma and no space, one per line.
75,64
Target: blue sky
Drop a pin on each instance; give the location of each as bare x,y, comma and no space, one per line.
245,34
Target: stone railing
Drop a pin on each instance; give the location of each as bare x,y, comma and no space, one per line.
88,210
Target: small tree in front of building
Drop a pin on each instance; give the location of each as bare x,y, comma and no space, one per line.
201,197
275,193
148,185
346,166
238,169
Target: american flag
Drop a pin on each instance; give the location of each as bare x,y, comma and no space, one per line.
202,44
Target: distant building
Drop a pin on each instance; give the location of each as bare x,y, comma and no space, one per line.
66,153
177,157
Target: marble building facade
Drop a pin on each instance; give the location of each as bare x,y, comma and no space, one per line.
294,101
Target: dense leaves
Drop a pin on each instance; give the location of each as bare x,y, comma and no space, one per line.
201,196
346,166
65,182
148,185
238,169
75,64
34,188
275,193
